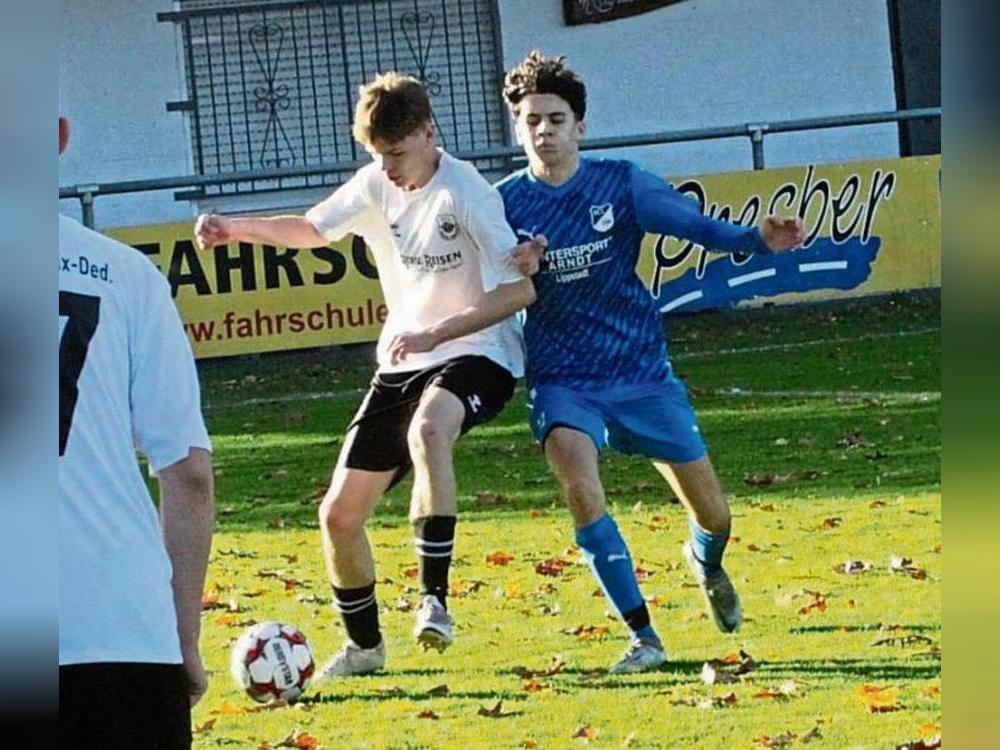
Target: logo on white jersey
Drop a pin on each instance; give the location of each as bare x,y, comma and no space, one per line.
475,402
447,226
602,217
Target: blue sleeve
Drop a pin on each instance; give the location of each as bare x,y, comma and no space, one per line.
660,209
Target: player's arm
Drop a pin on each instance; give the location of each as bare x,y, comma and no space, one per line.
187,518
284,231
661,209
325,222
491,308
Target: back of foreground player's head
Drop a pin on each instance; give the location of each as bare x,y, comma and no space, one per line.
537,74
390,108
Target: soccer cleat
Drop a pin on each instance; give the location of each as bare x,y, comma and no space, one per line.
720,596
642,655
433,626
354,660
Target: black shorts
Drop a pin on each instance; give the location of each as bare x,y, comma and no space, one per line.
376,439
108,706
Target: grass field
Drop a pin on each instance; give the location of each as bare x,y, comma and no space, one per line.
823,423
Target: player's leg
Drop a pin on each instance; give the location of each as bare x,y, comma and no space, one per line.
657,421
572,430
462,393
373,456
698,488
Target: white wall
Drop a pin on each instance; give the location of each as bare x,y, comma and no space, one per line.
706,63
118,67
697,64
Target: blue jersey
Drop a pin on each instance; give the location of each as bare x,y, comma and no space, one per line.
594,323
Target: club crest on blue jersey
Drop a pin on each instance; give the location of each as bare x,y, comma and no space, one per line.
602,217
447,226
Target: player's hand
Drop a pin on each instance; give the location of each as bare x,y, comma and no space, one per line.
528,254
782,233
197,679
211,230
406,343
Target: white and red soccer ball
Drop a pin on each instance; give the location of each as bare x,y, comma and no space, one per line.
272,661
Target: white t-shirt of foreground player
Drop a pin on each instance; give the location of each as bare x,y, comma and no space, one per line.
124,356
438,249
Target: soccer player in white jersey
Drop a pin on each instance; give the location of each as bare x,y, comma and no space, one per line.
598,372
448,354
130,581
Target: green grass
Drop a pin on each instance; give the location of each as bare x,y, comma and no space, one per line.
824,427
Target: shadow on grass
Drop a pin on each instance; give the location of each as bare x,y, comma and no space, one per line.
490,696
852,668
873,628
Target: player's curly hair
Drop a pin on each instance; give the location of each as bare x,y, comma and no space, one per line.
537,74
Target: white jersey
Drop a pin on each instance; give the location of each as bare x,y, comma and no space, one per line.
438,249
126,379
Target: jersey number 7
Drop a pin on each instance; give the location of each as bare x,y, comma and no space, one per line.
81,312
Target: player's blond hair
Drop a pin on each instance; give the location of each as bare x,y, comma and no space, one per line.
390,108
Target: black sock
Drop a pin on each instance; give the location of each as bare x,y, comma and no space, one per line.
434,539
638,620
359,608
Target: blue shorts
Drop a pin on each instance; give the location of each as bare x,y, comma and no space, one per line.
654,419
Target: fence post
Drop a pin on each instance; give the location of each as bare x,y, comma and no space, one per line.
756,133
87,206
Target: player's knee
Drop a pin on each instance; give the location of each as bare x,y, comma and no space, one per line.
338,518
426,436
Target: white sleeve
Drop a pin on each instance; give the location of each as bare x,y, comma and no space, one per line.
344,210
489,230
163,390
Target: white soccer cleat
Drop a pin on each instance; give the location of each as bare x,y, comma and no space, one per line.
353,660
720,595
433,626
642,655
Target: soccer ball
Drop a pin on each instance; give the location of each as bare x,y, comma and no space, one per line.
272,661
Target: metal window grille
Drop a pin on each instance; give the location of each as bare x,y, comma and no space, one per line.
274,84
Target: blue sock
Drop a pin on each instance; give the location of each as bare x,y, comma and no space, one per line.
708,547
605,551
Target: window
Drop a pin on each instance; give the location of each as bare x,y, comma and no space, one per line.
274,84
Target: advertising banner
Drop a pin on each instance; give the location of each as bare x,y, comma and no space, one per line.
872,227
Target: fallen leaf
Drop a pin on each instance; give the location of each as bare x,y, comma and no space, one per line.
852,439
552,567
780,740
934,743
831,523
204,728
427,714
534,686
587,632
931,691
879,699
818,603
528,745
876,504
438,691
906,566
495,559
929,729
585,733
853,567
497,711
812,734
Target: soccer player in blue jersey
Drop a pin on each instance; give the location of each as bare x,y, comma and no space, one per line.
597,368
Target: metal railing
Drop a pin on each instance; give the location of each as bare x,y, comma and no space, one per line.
274,84
755,132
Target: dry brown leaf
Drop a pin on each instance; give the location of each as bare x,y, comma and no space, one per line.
534,686
528,744
587,632
812,734
876,504
780,740
879,699
205,728
933,743
553,566
906,566
438,691
818,603
585,733
931,691
496,712
495,559
427,714
831,523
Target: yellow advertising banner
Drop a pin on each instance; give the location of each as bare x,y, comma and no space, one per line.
243,298
873,227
